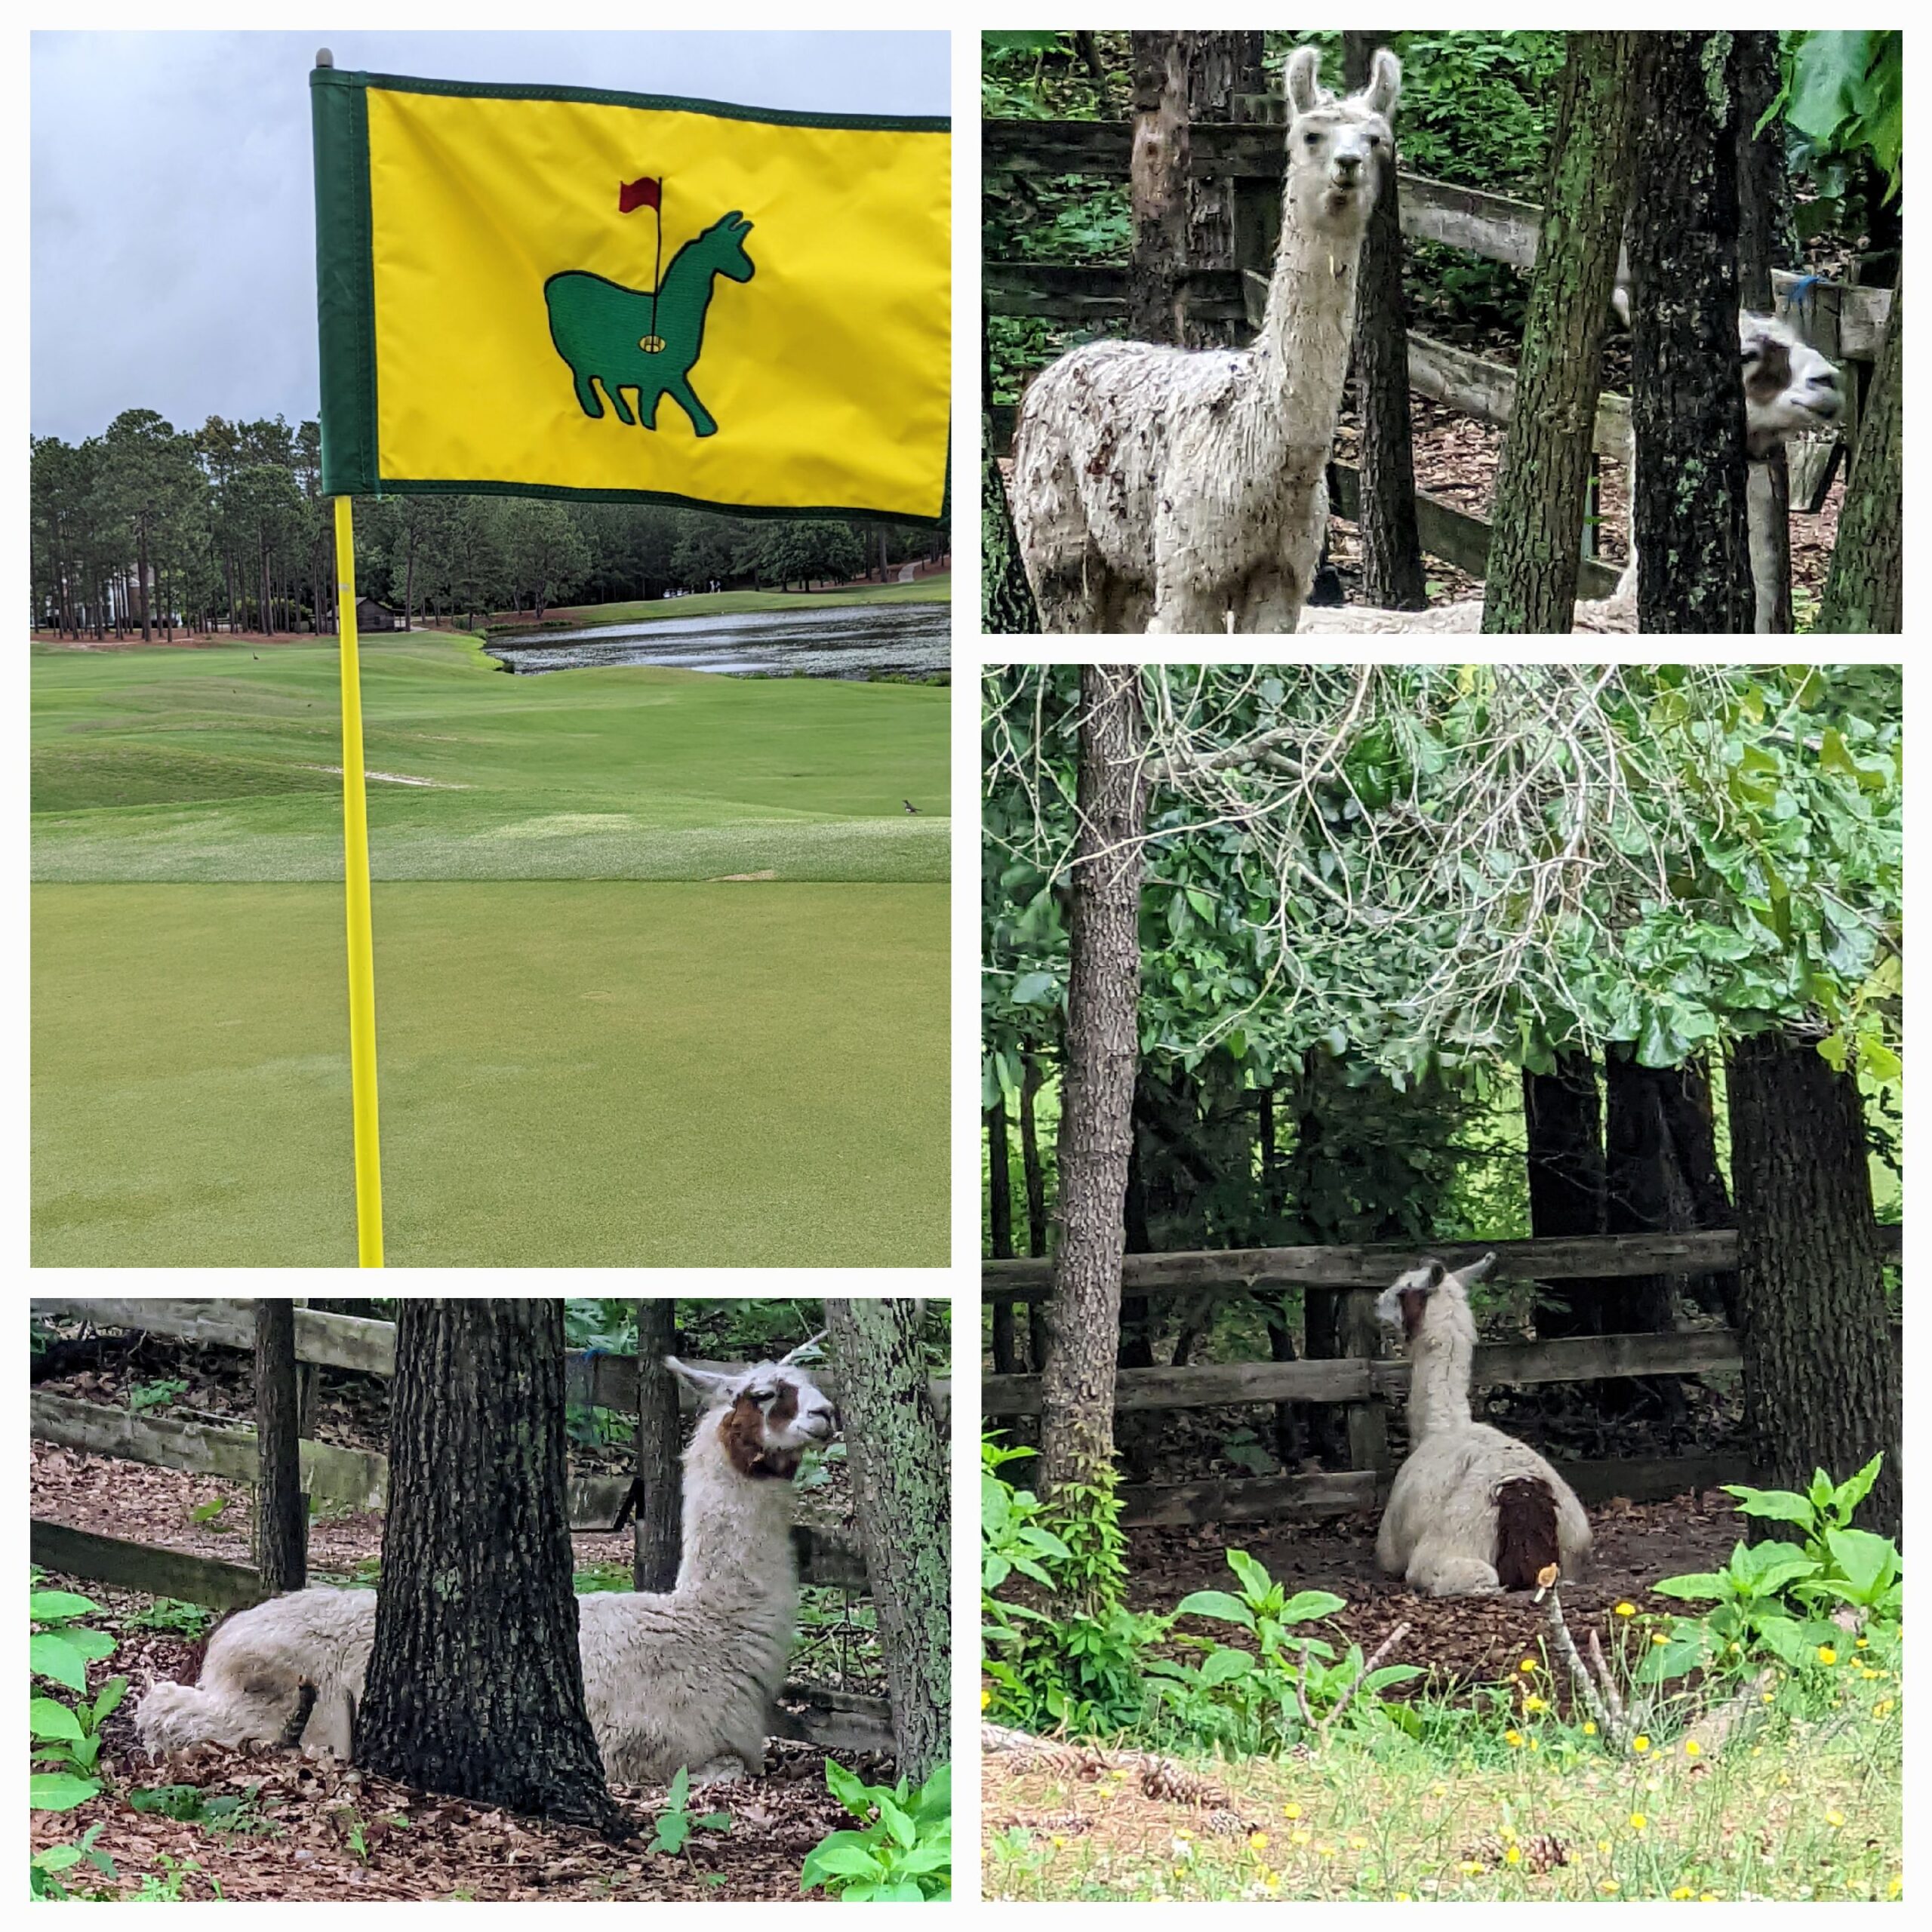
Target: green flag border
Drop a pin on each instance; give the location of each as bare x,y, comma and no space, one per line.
345,293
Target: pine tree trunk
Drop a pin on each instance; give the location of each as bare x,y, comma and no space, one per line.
475,1685
1097,1097
1685,1093
1693,572
1563,1150
1866,591
658,1531
1637,1200
1158,189
1765,241
1821,1375
1391,550
1007,608
282,1510
1530,587
1220,68
902,1496
999,1203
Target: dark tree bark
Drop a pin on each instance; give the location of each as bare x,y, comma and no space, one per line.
1685,1092
1029,1158
1541,485
475,1685
1693,569
1096,1103
999,1190
1563,1133
658,1531
282,1510
1866,591
1764,241
1638,1170
1007,608
1391,550
1821,1376
902,1496
1221,67
1158,189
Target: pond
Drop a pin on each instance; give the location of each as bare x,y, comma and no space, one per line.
849,641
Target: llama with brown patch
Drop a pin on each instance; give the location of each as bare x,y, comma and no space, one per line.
685,1677
1471,1510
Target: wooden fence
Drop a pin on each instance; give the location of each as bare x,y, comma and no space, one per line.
358,1479
1846,323
1365,1383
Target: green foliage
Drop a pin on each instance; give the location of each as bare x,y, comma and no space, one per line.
235,1813
902,1850
1843,95
44,1882
146,1395
65,1737
676,1822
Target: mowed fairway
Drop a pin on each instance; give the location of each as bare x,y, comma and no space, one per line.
597,1048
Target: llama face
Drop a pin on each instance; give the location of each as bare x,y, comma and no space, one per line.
1405,1301
1336,148
767,1416
1789,386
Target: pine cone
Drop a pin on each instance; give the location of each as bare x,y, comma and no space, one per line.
1162,1779
1225,1824
1541,1852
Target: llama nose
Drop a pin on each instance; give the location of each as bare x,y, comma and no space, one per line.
1348,165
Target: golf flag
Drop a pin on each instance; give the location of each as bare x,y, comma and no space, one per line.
561,291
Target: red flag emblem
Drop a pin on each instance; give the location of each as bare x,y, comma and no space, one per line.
644,192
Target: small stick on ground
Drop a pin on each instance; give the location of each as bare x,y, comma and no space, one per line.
1565,1647
1301,1689
1373,1661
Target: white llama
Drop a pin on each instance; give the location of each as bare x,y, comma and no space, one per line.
1789,388
682,1678
1161,489
1472,1510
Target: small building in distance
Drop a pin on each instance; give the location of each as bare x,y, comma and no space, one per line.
370,616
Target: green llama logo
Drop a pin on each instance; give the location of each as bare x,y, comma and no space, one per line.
645,339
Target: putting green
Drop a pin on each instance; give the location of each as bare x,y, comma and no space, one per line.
595,1049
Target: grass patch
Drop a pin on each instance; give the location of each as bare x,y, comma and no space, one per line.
1808,1809
732,603
573,1074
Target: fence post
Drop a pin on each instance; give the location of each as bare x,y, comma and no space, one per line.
282,1510
1368,1421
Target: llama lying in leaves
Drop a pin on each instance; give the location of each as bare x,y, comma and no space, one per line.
1471,1510
685,1678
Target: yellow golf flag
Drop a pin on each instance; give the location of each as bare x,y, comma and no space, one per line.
558,291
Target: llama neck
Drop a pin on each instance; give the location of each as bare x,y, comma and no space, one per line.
1303,349
1439,1381
737,1529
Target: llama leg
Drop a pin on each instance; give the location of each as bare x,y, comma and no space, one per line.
1436,1570
1267,603
1182,608
721,1769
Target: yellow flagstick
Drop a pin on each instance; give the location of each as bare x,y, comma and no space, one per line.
355,880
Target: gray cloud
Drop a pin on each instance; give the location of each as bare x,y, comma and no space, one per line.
174,232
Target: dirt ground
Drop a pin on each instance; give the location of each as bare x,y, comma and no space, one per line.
314,1830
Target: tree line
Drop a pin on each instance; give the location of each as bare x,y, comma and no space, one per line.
148,528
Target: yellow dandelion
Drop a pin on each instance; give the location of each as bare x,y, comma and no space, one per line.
1834,1818
1358,1844
1272,1882
1658,1637
1533,1705
1640,1743
1298,1837
1471,1868
985,1698
1692,1748
1325,1851
1882,1709
1826,1654
1259,1840
1863,1643
1707,1898
1534,1745
1527,1664
1514,1856
1513,1739
1291,1811
1682,1892
1589,1727
1626,1610
1894,1888
1185,1838
1867,1672
1060,1843
1403,1898
1606,1884
1438,1790
1603,1844
1637,1821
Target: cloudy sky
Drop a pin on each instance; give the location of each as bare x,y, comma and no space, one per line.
174,232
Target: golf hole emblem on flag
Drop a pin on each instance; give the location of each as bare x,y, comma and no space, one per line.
645,339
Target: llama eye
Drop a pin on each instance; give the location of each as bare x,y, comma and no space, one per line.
1312,141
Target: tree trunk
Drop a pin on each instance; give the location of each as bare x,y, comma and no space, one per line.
141,563
1638,1168
1563,1135
1221,67
1764,241
1541,485
1693,572
1391,551
282,1510
658,1528
475,1685
1158,189
902,1496
1866,591
1821,1376
1030,1077
1007,608
1096,1096
1685,1093
999,1203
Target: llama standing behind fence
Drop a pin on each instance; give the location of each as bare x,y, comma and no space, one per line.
1471,1510
1161,489
683,1678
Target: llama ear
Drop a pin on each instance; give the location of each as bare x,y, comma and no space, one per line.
1476,1270
1767,358
1303,91
1436,1272
1385,84
703,1381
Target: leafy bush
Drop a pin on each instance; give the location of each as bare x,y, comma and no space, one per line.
67,1735
902,1850
675,1823
171,1614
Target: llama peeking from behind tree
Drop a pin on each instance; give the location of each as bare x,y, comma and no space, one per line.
1167,490
686,1677
1472,1510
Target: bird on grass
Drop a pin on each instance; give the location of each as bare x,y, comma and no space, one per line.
910,807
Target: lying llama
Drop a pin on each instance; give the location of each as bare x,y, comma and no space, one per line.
682,1678
1159,489
1789,388
1472,1510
